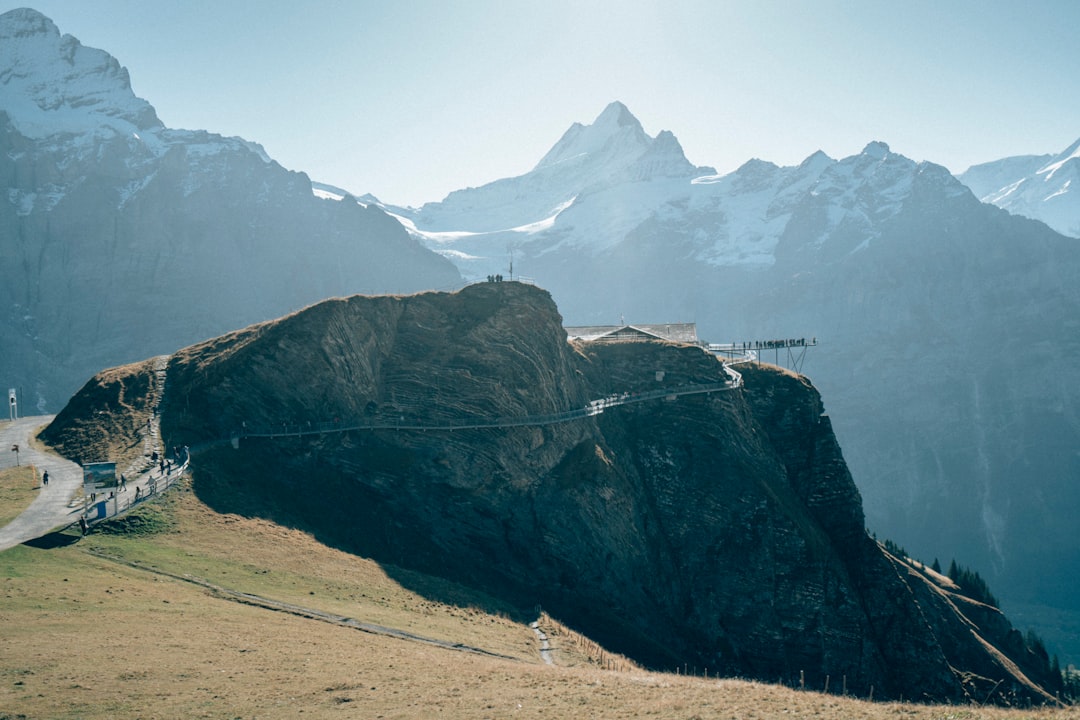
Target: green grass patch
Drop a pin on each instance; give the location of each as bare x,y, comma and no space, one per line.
149,519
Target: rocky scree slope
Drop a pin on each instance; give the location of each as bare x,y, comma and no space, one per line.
122,238
722,531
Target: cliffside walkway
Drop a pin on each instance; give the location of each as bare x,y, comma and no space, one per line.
593,408
145,478
61,503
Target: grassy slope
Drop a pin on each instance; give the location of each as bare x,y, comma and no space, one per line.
85,636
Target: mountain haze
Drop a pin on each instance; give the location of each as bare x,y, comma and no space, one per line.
122,238
948,327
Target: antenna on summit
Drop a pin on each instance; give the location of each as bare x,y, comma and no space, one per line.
510,252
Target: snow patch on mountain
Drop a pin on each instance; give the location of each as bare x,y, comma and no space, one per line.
26,202
1071,153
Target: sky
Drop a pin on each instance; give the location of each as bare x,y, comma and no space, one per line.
411,99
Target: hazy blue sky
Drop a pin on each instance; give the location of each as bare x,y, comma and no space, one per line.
410,100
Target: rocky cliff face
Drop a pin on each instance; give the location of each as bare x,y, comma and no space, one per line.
721,530
948,328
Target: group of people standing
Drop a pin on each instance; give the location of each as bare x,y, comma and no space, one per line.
165,466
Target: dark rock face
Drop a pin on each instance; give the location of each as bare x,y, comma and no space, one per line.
719,530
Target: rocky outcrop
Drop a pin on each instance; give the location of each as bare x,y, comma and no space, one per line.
720,530
948,327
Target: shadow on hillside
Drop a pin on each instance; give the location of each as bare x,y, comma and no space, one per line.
253,486
59,539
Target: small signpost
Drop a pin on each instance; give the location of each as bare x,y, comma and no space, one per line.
15,449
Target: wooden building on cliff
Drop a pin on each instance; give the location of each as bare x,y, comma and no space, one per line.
670,332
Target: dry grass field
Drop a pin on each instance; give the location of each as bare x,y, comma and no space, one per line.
191,614
18,488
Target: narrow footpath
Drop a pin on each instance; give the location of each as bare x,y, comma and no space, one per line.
58,504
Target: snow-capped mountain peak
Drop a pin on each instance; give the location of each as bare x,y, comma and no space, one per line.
876,150
588,159
1070,153
52,84
614,132
608,184
1042,187
75,104
618,115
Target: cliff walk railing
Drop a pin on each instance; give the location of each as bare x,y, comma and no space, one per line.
144,483
126,497
595,407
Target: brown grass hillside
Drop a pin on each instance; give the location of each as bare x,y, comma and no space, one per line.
18,488
183,612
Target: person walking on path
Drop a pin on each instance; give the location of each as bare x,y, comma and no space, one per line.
45,478
51,508
83,525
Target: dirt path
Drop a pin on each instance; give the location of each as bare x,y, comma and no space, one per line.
306,612
545,646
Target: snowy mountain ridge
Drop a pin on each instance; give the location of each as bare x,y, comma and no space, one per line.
76,102
601,182
1041,187
614,149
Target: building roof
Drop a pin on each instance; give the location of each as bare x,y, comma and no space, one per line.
672,332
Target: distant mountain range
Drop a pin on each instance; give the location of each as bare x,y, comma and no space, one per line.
948,328
123,238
